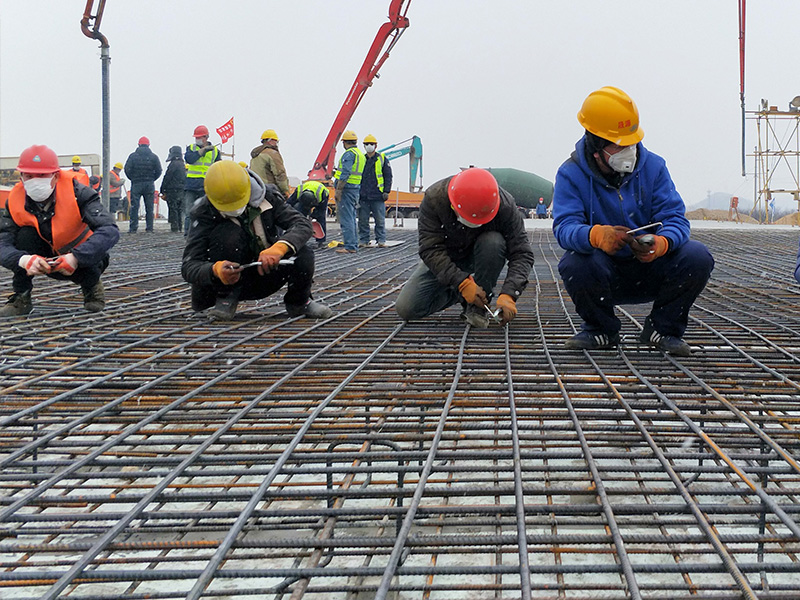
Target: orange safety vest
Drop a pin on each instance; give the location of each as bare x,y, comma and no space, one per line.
82,176
68,228
113,183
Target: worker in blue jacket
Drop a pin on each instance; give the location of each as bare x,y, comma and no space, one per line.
609,186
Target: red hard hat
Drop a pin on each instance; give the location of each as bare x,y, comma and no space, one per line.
143,141
38,159
200,131
474,195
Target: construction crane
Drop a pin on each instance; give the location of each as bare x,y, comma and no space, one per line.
387,36
414,151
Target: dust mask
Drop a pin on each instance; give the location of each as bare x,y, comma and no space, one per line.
623,161
39,189
233,213
369,147
466,223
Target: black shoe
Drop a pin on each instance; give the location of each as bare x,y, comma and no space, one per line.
586,340
18,304
667,343
94,299
477,317
311,309
225,307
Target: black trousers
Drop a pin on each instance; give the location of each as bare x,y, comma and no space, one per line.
29,241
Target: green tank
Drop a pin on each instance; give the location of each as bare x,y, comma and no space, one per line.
526,187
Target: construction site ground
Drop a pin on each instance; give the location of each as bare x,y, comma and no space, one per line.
149,453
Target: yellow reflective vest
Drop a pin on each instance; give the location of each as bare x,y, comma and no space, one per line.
199,169
358,166
315,187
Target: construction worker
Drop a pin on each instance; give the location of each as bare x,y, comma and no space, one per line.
348,185
172,188
242,220
53,225
79,172
266,161
541,209
115,182
96,183
199,157
611,185
311,199
142,168
376,183
469,227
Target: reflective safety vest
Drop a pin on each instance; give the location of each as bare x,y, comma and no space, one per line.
199,169
113,182
315,187
381,158
68,228
81,175
358,166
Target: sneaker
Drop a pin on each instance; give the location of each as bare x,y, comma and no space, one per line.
477,317
586,340
381,244
18,304
225,306
94,299
311,309
667,343
345,251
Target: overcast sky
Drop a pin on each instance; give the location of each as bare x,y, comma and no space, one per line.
494,83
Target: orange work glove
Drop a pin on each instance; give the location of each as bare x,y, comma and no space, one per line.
610,239
472,292
271,256
65,264
649,252
34,264
226,271
508,307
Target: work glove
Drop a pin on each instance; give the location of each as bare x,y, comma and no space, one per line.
34,264
385,196
473,293
649,252
609,238
508,307
271,257
65,264
226,271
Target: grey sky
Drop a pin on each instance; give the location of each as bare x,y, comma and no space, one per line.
485,82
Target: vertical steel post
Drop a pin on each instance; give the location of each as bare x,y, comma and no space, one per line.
105,59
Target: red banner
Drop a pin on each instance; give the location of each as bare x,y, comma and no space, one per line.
225,131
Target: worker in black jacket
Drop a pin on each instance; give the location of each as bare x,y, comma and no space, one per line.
172,188
469,228
142,168
239,221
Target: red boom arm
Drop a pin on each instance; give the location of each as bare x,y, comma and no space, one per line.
391,32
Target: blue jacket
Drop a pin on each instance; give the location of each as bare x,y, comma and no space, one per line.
582,198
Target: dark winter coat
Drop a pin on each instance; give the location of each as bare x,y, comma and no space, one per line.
143,166
174,178
369,190
443,241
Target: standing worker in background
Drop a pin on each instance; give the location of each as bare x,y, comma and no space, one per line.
142,168
53,225
267,162
348,185
610,185
115,190
311,199
79,172
376,183
541,209
199,157
172,188
468,228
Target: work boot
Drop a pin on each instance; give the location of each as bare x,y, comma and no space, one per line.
345,251
586,340
94,299
311,309
667,343
18,304
475,316
225,307
202,298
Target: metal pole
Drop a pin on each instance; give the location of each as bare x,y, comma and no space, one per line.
105,59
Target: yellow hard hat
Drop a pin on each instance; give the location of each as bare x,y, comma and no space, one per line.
270,134
243,164
76,160
117,165
227,185
610,113
349,136
370,139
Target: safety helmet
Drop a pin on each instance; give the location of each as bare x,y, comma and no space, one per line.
227,185
117,165
200,131
76,160
349,136
474,195
38,159
143,141
370,139
269,134
243,164
610,113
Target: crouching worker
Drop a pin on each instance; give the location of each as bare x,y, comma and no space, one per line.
52,225
238,222
468,228
311,199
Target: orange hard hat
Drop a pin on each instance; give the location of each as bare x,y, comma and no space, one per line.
200,131
38,159
474,195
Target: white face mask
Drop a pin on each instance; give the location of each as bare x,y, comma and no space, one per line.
623,161
466,223
233,213
199,141
369,147
39,189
